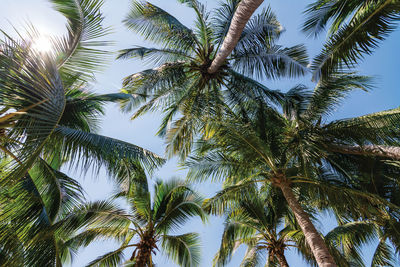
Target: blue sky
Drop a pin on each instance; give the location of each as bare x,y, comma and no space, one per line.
384,65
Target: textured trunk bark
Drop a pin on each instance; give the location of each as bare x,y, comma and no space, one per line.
369,150
313,238
282,259
242,14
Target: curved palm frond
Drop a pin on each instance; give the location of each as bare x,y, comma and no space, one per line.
158,26
370,24
98,150
183,249
78,51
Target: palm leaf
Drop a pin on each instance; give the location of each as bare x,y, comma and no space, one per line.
370,25
158,26
102,150
78,51
183,249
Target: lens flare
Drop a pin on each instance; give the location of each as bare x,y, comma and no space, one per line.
42,44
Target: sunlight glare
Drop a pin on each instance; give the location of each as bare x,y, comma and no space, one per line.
42,44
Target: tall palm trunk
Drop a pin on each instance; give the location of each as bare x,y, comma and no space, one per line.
144,250
369,150
313,238
242,14
281,259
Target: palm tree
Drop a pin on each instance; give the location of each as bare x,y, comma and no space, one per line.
292,150
49,118
359,233
150,220
48,239
377,225
357,29
261,220
242,14
47,112
181,85
43,96
254,222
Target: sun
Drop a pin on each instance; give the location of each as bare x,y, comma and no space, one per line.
42,44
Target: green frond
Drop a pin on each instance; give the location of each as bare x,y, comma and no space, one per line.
60,193
236,233
154,84
271,62
242,89
383,255
376,128
329,93
111,259
225,198
262,30
360,36
153,56
183,249
221,20
78,51
156,25
83,108
174,203
100,150
204,30
351,236
100,233
321,12
254,257
31,86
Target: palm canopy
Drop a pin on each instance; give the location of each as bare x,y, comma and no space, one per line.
49,117
357,27
262,221
180,84
41,215
147,225
44,100
294,149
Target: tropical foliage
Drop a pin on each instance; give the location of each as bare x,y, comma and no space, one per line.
281,158
50,118
291,149
356,28
262,221
148,225
180,84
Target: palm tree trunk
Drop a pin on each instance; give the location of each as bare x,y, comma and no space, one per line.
313,238
369,150
242,14
281,259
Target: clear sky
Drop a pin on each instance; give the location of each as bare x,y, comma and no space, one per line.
384,64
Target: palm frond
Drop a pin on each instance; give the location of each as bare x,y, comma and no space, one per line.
329,93
368,27
221,20
30,85
383,255
271,62
321,12
78,51
101,150
111,259
57,189
183,249
153,56
156,25
375,128
262,30
174,203
203,27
